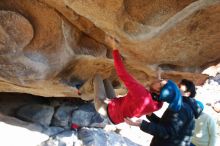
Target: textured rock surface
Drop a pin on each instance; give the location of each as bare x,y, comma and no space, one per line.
99,137
36,113
47,47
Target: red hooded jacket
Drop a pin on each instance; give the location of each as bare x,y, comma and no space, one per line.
138,100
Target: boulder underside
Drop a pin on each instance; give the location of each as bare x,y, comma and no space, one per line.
50,48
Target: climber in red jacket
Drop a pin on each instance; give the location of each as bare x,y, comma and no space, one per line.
137,102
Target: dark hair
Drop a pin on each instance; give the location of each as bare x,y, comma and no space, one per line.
190,87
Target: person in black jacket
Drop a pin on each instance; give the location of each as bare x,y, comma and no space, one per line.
175,127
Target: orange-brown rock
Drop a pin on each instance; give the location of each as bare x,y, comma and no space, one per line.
48,47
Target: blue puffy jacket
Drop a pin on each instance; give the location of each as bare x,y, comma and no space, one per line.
174,128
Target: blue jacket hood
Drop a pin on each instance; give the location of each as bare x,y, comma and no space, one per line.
195,106
171,94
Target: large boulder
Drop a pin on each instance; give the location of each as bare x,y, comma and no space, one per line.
53,48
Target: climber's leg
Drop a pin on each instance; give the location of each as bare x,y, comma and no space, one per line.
110,92
99,95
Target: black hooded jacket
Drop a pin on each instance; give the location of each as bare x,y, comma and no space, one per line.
173,128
